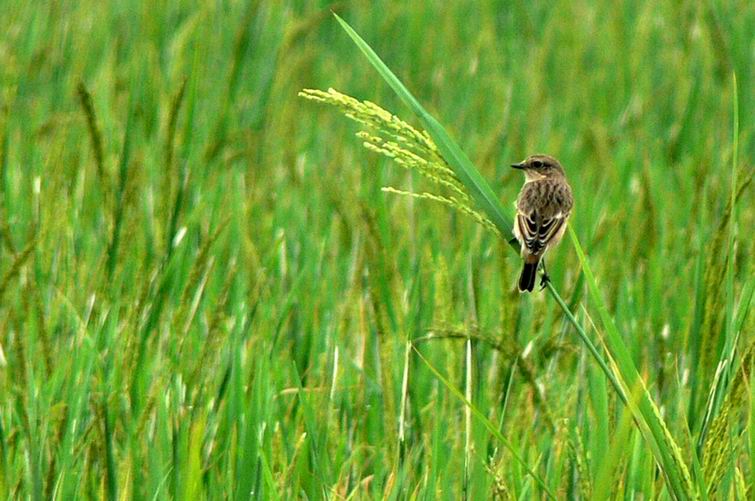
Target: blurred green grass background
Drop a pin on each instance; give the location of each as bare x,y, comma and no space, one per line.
205,294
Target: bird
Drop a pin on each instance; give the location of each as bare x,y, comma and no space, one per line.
543,208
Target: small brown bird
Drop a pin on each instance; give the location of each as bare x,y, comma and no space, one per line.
542,211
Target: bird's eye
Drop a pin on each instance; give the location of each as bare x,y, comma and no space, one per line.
537,164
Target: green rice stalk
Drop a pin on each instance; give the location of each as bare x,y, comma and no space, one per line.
135,317
442,297
379,294
647,416
177,210
751,427
451,202
511,350
460,334
204,368
33,301
579,458
242,41
192,296
499,491
175,108
95,136
402,421
198,275
18,261
713,313
192,476
489,425
469,397
58,421
741,485
5,232
120,200
169,171
720,449
608,478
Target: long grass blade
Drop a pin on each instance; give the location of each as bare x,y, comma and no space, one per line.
646,414
456,158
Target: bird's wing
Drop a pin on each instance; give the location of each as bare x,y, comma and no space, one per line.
536,233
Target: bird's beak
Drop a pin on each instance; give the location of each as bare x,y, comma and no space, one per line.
519,166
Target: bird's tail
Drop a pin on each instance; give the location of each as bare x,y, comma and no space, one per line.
529,272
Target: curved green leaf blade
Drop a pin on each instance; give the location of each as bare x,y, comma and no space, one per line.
646,414
480,190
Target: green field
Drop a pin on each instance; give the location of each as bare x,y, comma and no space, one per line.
206,294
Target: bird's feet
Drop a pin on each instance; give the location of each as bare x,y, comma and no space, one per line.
544,280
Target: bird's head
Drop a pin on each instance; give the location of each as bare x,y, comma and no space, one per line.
538,167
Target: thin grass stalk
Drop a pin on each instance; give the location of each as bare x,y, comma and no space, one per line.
404,399
720,447
751,425
647,416
467,416
95,136
729,327
606,481
118,210
731,336
4,142
198,277
171,174
111,478
175,108
15,268
33,304
588,343
240,46
173,230
469,379
576,448
489,425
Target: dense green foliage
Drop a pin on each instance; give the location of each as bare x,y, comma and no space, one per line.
205,293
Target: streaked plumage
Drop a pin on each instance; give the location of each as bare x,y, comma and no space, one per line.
542,211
